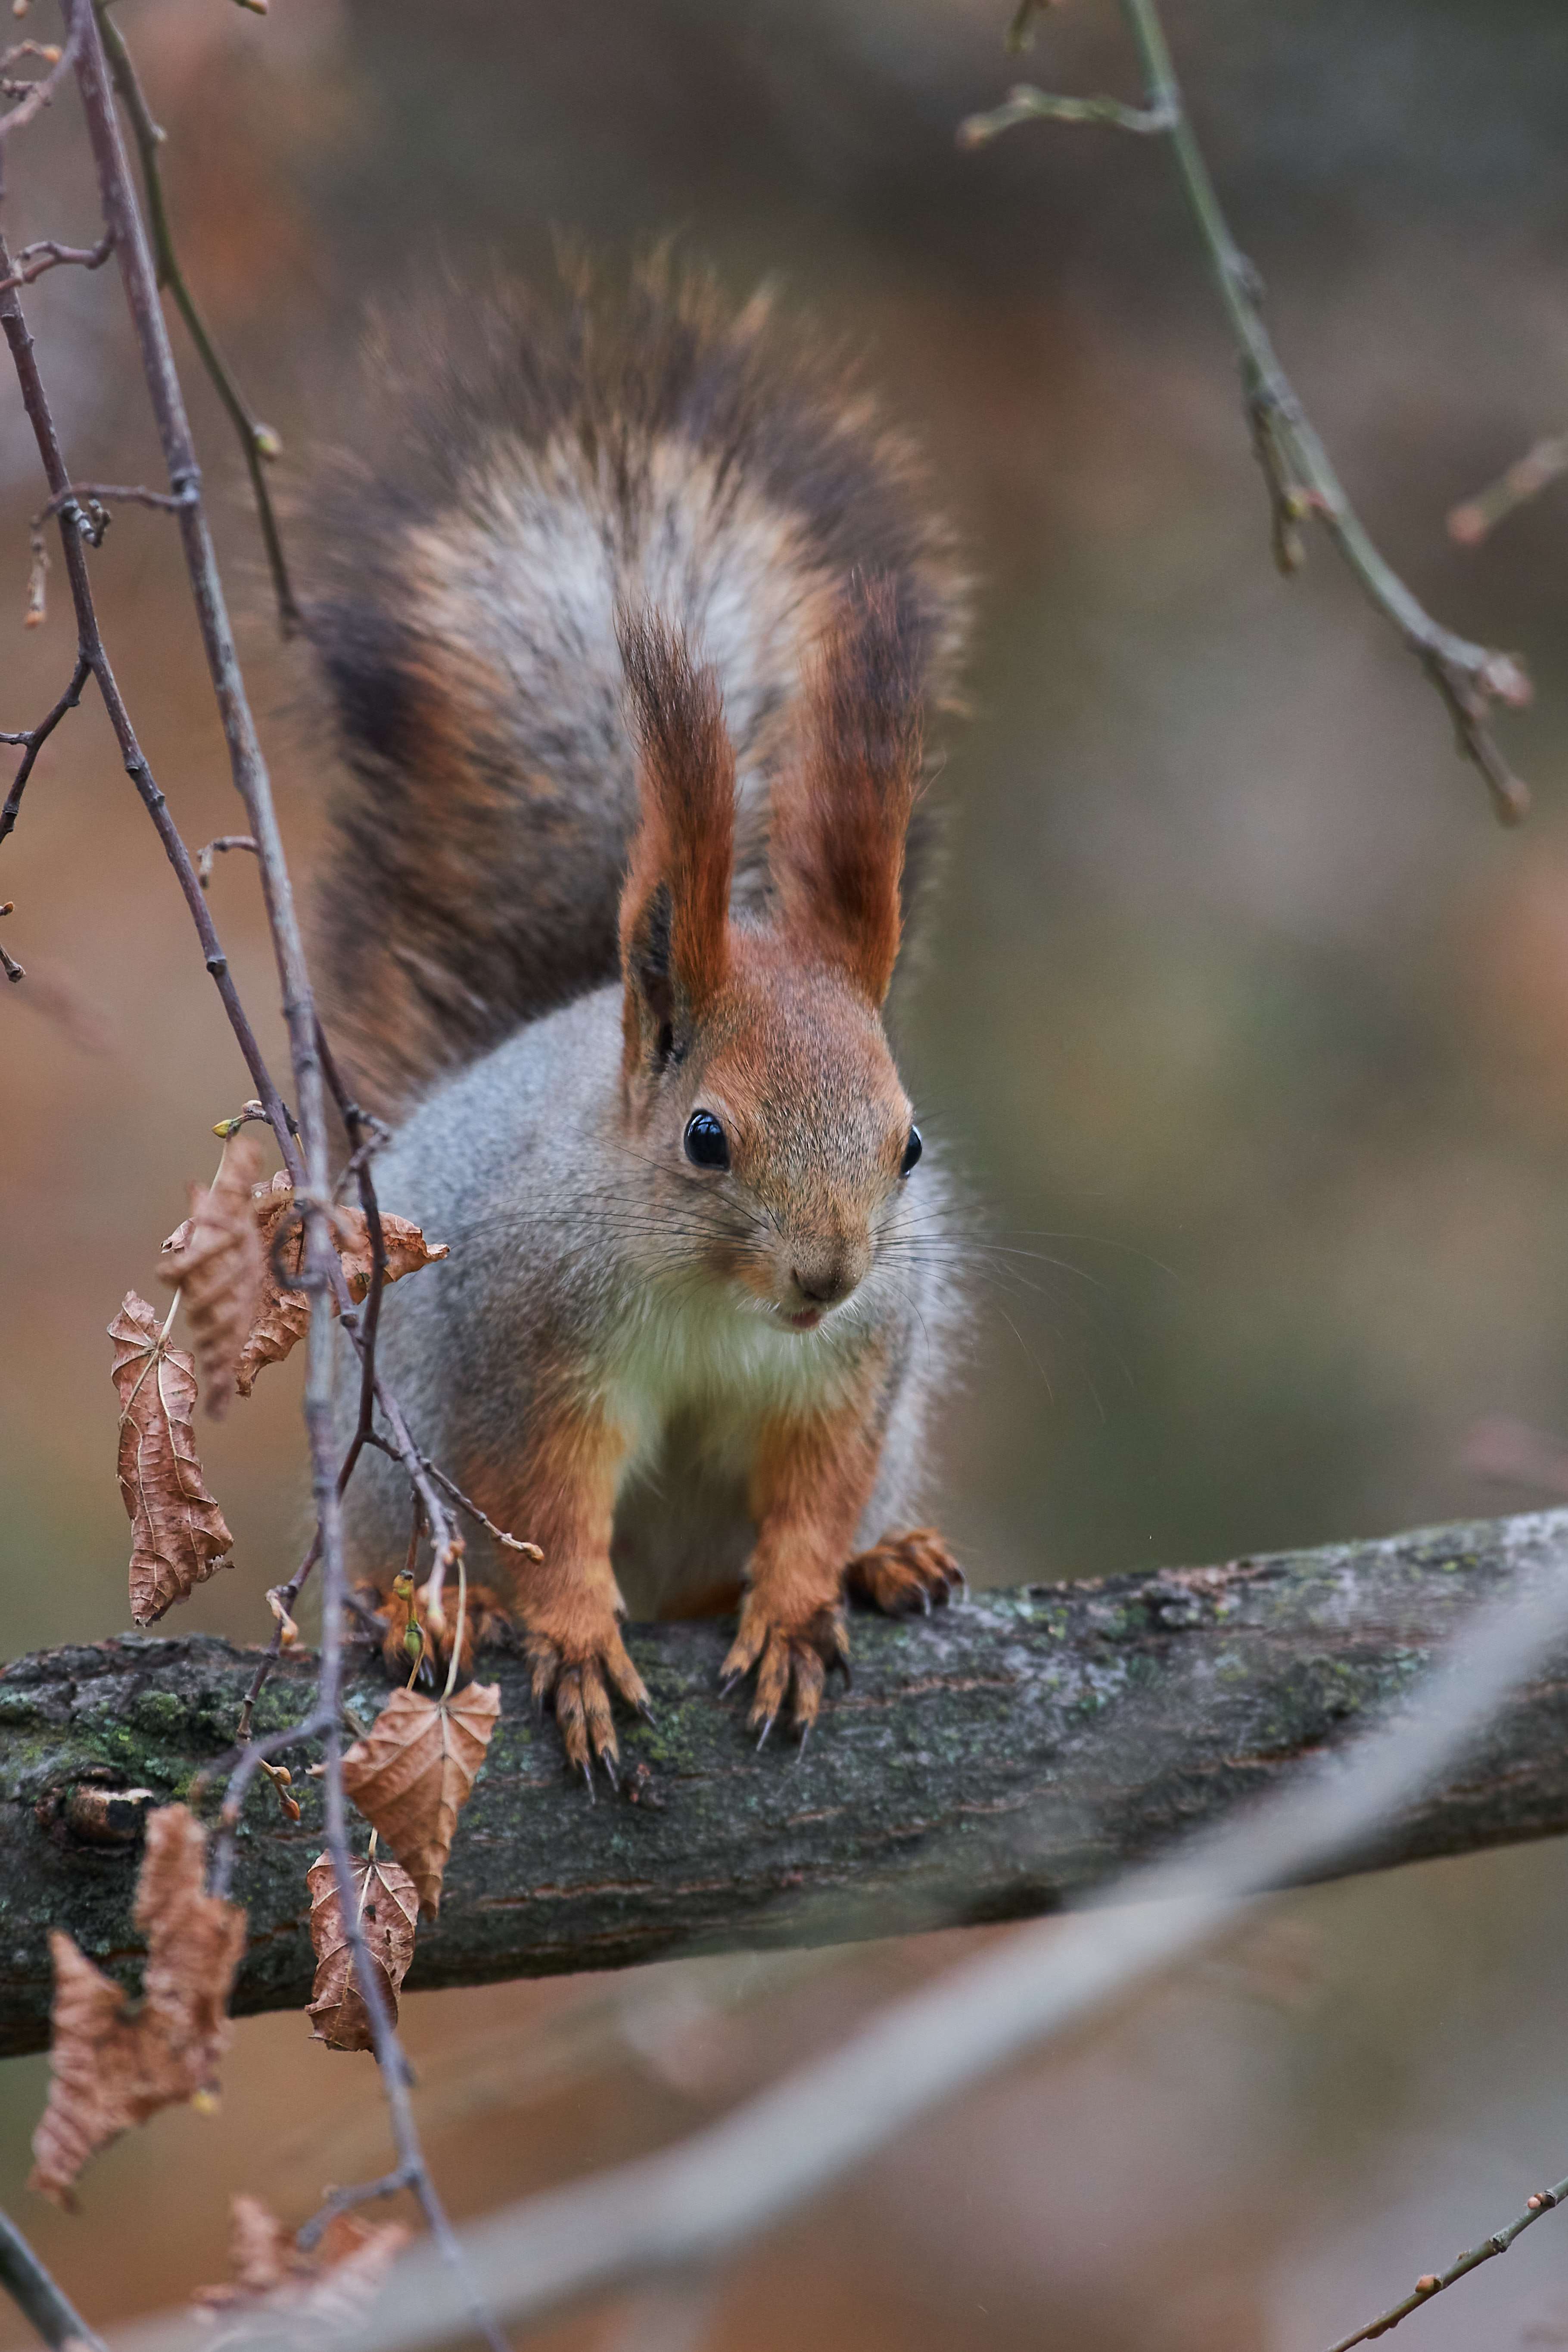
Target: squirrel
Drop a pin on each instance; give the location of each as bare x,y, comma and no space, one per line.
628,624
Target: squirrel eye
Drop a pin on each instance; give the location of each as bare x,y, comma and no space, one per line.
707,1145
912,1151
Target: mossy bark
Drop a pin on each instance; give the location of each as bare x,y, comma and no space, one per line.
993,1760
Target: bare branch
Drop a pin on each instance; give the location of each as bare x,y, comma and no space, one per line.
36,2295
1433,2282
8,964
259,442
699,2202
1025,104
224,841
1540,465
51,255
1301,478
100,493
39,94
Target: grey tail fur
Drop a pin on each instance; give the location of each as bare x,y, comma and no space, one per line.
529,472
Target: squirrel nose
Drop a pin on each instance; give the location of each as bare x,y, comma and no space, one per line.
825,1281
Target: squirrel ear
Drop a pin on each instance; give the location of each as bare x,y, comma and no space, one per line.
675,907
841,812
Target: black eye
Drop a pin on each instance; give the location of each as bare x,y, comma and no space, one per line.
912,1151
707,1145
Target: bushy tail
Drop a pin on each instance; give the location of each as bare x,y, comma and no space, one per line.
527,476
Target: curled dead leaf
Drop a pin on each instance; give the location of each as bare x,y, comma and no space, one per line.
110,2068
283,1315
213,1260
388,1904
178,1535
412,1773
273,2277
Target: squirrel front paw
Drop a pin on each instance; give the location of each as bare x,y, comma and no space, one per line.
576,1679
793,1662
905,1573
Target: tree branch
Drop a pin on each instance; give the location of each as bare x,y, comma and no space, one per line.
1300,476
993,1762
37,2296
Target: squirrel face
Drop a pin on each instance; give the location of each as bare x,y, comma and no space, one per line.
757,1080
783,1141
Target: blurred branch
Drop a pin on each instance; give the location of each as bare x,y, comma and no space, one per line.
1432,2283
1001,1759
1301,480
258,441
52,254
36,2295
37,95
1469,522
688,2207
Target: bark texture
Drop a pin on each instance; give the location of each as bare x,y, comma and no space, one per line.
992,1761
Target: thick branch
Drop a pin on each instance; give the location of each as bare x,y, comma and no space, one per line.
992,1762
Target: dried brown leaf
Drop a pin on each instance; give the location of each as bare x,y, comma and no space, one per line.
271,2276
283,1315
406,1248
388,1904
111,2069
213,1260
178,1534
412,1772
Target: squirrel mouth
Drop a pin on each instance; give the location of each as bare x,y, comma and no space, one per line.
807,1320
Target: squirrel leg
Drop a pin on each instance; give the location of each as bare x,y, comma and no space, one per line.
809,1485
569,1603
903,1574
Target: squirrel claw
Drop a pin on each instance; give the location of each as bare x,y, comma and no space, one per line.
903,1574
579,1689
792,1666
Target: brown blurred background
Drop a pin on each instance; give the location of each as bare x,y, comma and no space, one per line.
1247,1023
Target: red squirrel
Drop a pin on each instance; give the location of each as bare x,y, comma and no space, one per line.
631,626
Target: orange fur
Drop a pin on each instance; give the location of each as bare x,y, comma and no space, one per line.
810,1482
841,816
562,1490
675,909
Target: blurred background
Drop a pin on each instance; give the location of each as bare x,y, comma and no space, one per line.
1247,1025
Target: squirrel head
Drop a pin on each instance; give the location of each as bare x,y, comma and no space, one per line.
758,1084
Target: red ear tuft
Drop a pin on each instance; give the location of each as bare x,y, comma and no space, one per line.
675,907
841,814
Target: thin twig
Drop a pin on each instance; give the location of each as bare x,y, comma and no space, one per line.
99,493
36,2295
259,442
1025,104
1540,465
39,94
1301,480
214,848
36,737
8,964
91,650
53,256
1433,2282
466,1502
344,2201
